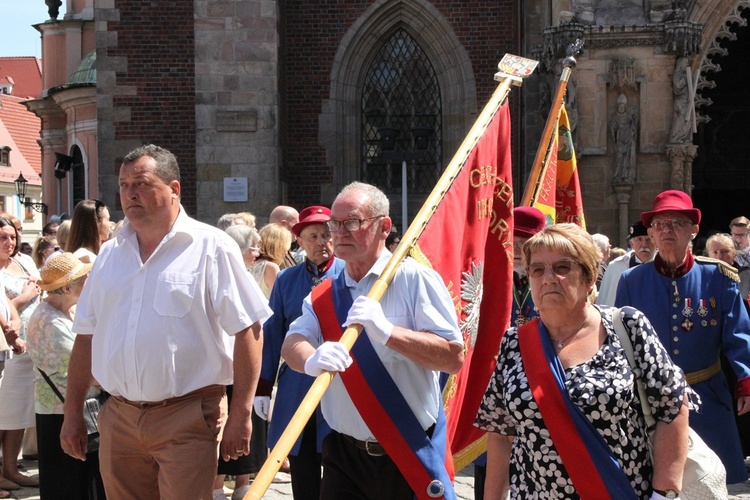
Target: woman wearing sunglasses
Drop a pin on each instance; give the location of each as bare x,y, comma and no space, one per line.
562,408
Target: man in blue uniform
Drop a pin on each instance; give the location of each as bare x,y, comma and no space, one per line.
695,307
291,287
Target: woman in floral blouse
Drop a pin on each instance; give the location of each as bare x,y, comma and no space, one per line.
50,342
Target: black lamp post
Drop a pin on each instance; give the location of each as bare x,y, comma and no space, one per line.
21,183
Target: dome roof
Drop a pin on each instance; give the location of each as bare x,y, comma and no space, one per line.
85,72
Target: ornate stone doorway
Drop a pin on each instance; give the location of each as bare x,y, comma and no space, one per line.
721,172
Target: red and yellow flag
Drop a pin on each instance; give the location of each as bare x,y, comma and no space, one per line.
559,195
469,242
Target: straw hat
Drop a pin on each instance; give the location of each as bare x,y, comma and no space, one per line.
62,270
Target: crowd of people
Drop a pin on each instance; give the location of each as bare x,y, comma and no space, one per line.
207,338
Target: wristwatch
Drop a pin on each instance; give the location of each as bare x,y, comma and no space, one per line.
667,493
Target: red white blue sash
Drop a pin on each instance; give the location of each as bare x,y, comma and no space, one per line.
591,465
422,461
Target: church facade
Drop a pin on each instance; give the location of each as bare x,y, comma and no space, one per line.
287,101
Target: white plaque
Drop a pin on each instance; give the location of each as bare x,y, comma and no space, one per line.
235,188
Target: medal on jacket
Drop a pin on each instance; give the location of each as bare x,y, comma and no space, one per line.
687,311
676,295
703,311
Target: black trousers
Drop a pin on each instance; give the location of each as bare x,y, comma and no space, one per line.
60,475
305,467
351,473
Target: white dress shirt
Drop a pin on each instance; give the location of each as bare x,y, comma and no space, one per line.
165,327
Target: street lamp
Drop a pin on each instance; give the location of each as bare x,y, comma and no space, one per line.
21,183
421,137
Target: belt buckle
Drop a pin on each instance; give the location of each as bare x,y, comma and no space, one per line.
372,453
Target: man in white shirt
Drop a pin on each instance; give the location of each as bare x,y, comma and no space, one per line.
409,337
643,250
167,318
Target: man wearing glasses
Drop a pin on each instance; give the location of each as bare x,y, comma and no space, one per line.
695,306
740,229
384,407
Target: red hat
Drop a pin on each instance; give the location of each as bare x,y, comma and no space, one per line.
527,221
672,201
311,215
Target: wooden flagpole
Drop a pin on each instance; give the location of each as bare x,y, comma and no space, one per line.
542,153
305,410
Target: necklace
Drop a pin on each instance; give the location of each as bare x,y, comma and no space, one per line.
561,343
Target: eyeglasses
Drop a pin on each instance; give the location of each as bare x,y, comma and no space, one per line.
670,224
740,235
560,268
350,225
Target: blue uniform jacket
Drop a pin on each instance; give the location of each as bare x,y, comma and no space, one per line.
291,287
699,317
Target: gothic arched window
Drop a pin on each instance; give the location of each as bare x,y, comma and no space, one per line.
401,121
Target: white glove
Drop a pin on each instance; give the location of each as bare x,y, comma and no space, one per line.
329,357
262,404
657,496
369,313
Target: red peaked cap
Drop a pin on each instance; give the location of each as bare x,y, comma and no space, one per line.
672,201
527,221
311,215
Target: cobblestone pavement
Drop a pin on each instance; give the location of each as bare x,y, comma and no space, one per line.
281,487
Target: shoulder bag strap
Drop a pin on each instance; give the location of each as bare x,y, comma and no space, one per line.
53,386
627,346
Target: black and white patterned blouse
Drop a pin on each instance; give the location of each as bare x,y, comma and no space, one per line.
603,388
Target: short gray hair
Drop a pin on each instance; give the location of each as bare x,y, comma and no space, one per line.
225,221
245,236
377,201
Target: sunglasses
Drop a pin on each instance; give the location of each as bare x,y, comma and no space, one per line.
559,268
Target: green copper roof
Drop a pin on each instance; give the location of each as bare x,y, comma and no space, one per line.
86,70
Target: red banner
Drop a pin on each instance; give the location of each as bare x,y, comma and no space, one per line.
469,242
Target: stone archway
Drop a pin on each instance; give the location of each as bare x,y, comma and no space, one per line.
340,116
723,104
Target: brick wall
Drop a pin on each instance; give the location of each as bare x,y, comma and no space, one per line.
153,94
313,32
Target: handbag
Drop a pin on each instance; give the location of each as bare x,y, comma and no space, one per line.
704,476
91,408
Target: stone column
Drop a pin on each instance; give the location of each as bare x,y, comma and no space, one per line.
623,190
681,157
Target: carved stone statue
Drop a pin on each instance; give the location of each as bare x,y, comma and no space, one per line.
623,129
682,103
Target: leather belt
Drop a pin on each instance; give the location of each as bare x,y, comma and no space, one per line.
373,448
205,391
693,378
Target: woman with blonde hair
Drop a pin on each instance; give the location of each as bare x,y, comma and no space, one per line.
275,241
43,248
63,232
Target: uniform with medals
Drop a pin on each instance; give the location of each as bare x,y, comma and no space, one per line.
698,313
